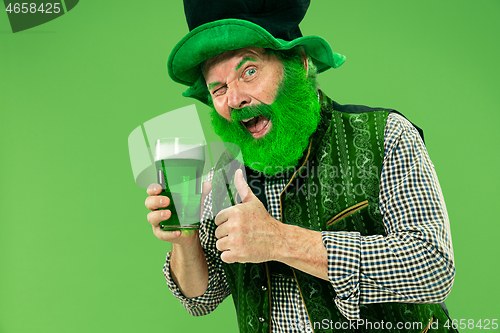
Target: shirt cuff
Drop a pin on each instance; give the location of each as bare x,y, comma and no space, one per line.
196,306
343,251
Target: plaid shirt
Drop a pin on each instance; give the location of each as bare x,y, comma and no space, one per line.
412,264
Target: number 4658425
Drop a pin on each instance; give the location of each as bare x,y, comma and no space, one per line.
471,324
26,8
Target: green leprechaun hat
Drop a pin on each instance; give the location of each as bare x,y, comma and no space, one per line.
217,26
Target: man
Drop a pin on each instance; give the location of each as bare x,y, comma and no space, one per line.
342,217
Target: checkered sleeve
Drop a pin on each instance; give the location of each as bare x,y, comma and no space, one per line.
413,262
217,289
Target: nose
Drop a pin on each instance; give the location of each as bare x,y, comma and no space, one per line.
236,97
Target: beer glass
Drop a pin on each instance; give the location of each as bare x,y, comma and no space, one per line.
179,167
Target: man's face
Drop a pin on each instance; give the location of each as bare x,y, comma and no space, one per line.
241,78
267,107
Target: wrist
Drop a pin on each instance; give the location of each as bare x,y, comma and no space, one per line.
284,248
299,245
190,248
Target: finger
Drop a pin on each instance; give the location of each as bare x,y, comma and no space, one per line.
154,218
227,257
222,245
154,189
168,236
207,187
222,217
155,202
244,190
221,231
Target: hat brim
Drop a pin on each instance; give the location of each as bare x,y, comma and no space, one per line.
211,39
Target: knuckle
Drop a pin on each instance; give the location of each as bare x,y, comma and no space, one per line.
154,217
162,201
232,242
153,188
152,202
238,242
236,211
236,228
232,228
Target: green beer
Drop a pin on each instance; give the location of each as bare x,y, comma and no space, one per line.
179,166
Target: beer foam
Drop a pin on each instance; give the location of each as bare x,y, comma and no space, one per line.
168,150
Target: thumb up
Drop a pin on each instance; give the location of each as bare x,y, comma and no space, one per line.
242,187
246,232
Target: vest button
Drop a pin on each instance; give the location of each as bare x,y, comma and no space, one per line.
264,288
261,319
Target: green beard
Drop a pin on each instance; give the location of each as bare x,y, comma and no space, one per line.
294,114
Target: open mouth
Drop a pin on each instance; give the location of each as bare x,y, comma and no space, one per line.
257,126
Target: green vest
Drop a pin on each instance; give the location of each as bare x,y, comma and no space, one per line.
336,189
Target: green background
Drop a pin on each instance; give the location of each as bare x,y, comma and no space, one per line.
76,251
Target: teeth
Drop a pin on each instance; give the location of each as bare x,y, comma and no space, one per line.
247,120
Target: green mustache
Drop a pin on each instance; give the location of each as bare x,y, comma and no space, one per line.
264,110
